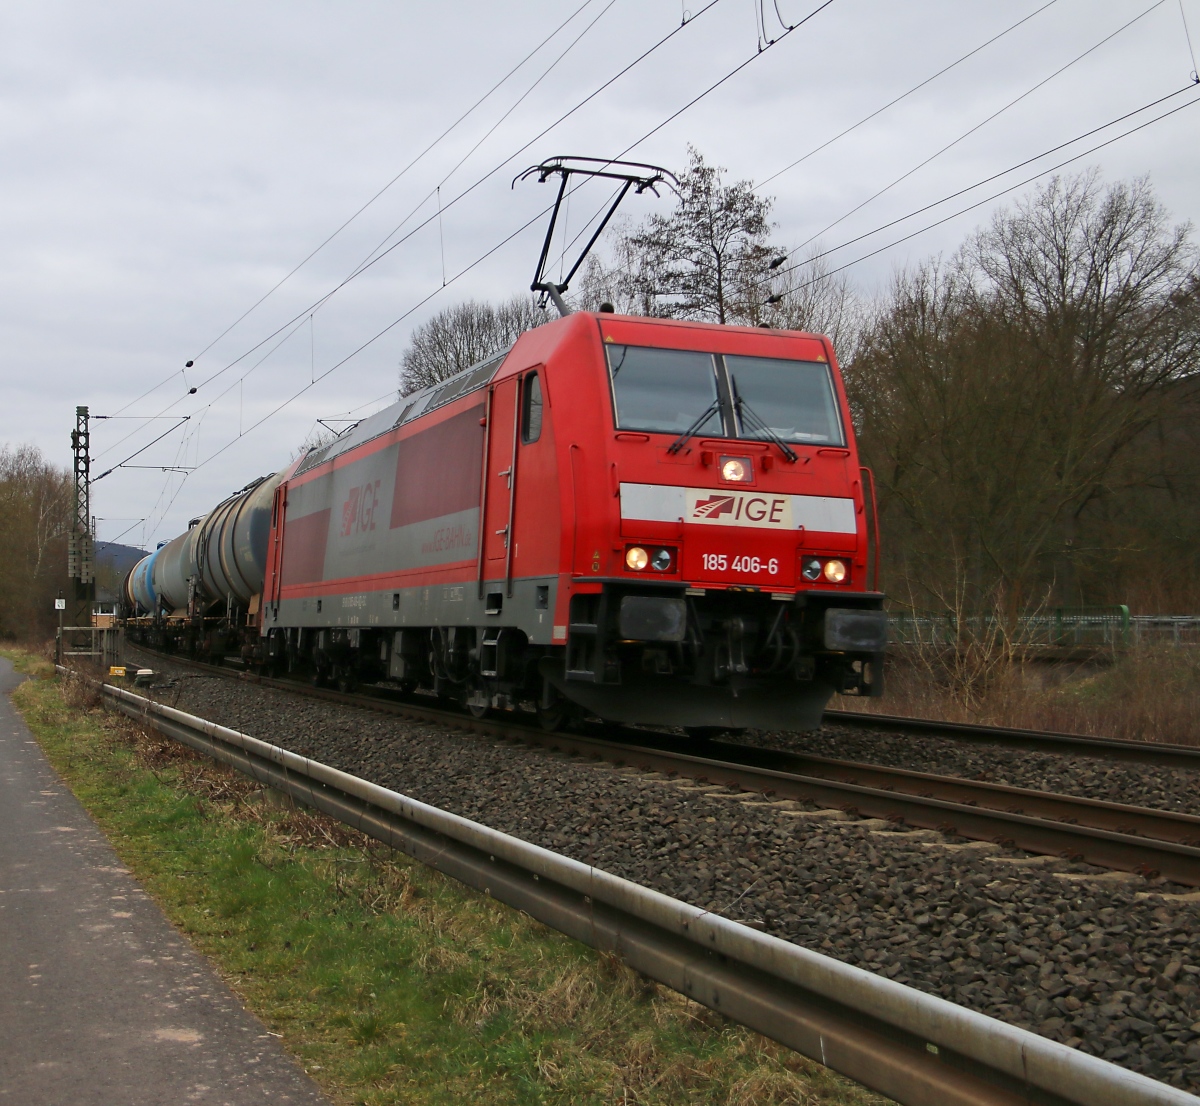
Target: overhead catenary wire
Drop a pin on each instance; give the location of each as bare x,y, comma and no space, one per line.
674,115
444,134
315,305
762,48
125,531
291,399
904,95
329,238
375,337
155,441
483,178
354,353
979,203
729,76
970,131
1188,35
486,135
848,264
768,278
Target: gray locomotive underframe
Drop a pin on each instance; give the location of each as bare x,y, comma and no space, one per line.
851,626
529,608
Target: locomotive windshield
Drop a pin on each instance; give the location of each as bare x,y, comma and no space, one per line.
793,398
761,398
663,389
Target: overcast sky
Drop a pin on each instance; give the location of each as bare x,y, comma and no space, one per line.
163,166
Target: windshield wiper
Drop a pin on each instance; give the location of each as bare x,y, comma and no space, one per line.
744,409
690,432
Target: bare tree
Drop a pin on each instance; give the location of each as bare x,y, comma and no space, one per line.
35,516
1001,393
626,280
460,336
710,259
707,259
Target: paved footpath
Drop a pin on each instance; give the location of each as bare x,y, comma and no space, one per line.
102,1002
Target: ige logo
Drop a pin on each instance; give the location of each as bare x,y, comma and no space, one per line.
718,508
712,508
358,512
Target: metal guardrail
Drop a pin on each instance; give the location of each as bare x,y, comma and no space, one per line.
1056,628
916,1048
1172,629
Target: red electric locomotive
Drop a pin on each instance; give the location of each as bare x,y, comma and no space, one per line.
642,519
647,520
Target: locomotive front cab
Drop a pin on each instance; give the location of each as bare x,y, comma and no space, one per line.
733,587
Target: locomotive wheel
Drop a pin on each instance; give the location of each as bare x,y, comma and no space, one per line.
478,699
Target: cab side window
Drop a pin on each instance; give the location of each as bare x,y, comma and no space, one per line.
531,409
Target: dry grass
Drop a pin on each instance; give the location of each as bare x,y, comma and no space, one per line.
1151,693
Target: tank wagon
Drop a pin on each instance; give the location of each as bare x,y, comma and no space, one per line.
643,519
200,592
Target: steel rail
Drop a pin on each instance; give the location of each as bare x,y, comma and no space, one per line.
1107,848
1163,825
918,1049
1045,741
1110,835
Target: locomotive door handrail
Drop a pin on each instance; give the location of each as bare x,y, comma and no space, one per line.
872,545
518,384
481,555
278,533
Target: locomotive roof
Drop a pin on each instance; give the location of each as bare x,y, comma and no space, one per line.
408,408
471,379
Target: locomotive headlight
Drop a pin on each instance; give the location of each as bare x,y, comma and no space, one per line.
811,569
835,571
661,561
736,470
636,558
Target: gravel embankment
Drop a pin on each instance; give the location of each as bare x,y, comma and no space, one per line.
1113,781
1085,961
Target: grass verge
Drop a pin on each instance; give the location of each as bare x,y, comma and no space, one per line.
1149,693
28,663
390,982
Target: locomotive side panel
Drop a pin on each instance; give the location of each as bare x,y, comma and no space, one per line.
373,530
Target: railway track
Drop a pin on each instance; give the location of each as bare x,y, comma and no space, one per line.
1134,839
1160,755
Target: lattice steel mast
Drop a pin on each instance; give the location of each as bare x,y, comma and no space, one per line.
81,560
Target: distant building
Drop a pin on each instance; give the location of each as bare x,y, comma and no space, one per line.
104,608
